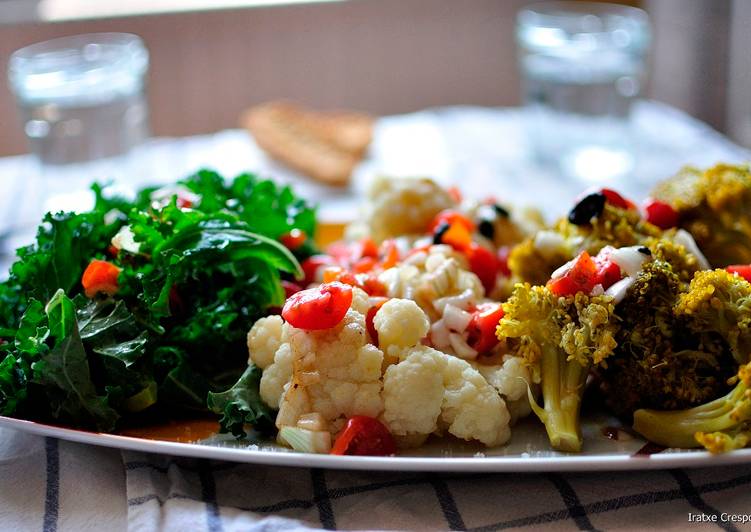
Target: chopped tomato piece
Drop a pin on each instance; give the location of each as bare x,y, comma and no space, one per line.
290,288
455,194
335,273
311,265
318,308
364,436
608,272
112,251
503,255
183,202
457,236
364,281
389,254
364,265
581,276
372,311
482,327
660,214
744,270
616,200
100,276
341,252
366,248
484,264
450,217
294,239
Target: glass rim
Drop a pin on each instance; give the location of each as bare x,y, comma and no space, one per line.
127,52
559,10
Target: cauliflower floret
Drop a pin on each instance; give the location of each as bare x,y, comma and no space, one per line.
510,380
276,376
337,374
413,394
264,338
360,301
430,387
400,323
400,206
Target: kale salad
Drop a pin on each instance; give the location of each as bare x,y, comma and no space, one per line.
143,304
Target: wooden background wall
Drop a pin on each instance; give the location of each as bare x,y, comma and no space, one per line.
384,56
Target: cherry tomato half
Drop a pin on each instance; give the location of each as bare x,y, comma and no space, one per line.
503,254
290,288
660,214
294,239
482,327
744,270
372,311
484,264
100,276
616,200
318,308
364,436
311,265
580,277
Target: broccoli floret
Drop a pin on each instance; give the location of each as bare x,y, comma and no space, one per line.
715,207
718,304
660,362
720,425
561,338
683,263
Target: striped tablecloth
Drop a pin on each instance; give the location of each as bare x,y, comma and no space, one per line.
52,485
56,485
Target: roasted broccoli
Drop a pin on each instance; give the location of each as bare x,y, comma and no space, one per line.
560,338
660,361
720,425
718,305
715,207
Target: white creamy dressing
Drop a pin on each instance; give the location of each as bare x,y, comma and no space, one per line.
685,239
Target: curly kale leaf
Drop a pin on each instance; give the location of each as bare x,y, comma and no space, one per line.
242,405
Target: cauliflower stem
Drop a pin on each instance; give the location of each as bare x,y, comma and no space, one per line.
720,425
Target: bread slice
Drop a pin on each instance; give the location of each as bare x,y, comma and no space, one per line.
324,146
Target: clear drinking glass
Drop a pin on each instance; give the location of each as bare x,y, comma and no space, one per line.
582,66
81,98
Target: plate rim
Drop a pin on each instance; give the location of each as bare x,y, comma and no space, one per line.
478,464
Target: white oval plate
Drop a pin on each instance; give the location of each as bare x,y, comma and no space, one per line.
528,452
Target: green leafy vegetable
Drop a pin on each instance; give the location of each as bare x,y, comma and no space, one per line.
206,264
242,405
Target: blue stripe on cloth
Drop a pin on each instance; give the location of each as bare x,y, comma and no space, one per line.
322,498
52,495
448,504
208,495
694,499
574,506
